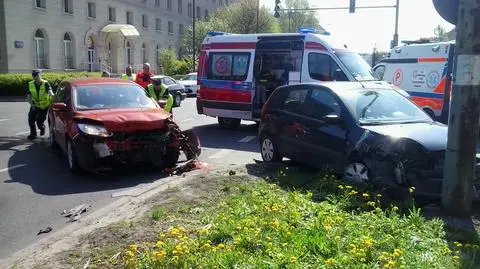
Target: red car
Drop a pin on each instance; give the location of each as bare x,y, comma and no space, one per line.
98,122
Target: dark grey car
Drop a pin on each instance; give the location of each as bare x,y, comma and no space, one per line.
176,89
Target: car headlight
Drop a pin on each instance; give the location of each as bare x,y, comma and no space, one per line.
95,130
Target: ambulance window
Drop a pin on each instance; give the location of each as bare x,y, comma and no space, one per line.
322,67
229,66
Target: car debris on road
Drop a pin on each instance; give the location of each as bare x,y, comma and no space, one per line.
45,231
75,213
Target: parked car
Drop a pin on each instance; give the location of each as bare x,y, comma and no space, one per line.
103,121
365,132
190,83
177,90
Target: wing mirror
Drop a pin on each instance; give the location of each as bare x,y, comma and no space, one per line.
332,118
59,107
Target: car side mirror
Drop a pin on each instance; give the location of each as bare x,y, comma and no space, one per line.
59,107
332,118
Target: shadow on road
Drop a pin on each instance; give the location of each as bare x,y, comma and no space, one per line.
212,136
46,172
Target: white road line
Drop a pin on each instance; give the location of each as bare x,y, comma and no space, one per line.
189,119
12,168
4,119
247,139
22,133
218,155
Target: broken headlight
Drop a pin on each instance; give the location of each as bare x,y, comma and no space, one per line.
94,130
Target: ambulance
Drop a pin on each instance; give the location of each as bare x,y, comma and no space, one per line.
238,72
423,70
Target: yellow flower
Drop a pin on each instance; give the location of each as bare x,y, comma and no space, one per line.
353,192
458,245
366,195
133,248
340,187
207,245
129,254
371,203
368,242
329,262
456,258
348,187
159,244
221,246
395,208
293,259
397,253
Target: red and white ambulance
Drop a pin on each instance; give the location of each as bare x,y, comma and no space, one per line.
237,72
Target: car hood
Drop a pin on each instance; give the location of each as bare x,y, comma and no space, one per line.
126,120
432,136
188,82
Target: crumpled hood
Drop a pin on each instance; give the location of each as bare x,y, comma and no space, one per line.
432,136
127,120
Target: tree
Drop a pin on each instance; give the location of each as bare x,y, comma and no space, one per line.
440,34
297,19
238,18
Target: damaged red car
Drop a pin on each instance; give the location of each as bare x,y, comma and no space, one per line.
104,121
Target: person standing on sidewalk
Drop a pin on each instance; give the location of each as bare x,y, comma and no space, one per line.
39,95
144,77
128,74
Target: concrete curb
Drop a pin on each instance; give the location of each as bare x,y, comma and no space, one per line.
12,99
118,210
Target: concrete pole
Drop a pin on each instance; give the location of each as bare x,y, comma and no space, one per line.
464,115
395,35
193,34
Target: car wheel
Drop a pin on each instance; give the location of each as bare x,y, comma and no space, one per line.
269,150
227,123
72,158
177,100
171,157
357,171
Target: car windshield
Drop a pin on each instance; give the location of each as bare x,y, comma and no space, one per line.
95,97
356,65
190,77
382,107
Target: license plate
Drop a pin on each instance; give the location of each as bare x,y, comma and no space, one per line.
102,150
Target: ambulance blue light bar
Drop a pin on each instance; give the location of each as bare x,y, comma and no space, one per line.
305,30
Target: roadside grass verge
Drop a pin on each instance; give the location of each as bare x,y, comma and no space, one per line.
297,220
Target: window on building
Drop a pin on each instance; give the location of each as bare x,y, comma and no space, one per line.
181,29
68,6
180,6
128,50
130,17
41,3
206,14
91,10
199,14
170,27
157,3
40,57
158,24
157,55
112,14
169,5
68,51
220,3
145,21
144,53
190,10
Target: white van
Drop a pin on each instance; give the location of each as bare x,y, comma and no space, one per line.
425,72
237,72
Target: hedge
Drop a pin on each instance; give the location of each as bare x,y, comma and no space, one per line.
15,84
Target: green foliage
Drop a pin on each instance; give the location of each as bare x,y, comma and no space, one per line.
297,19
15,84
171,65
261,225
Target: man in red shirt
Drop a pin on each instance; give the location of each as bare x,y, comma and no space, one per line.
144,77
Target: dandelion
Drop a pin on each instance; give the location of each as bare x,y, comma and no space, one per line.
368,242
293,259
397,253
395,208
366,195
221,246
329,262
133,248
340,187
159,244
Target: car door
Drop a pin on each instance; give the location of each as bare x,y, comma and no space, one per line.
326,137
57,122
290,122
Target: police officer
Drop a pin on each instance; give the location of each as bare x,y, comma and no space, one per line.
159,92
128,74
39,95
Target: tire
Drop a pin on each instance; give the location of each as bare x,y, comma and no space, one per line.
269,150
72,159
177,100
171,157
228,123
357,171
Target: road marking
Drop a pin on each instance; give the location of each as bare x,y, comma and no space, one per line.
247,139
4,119
222,153
189,119
22,133
12,168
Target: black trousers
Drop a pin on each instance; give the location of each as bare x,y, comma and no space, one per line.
38,116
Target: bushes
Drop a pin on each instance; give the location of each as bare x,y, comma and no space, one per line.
171,65
15,84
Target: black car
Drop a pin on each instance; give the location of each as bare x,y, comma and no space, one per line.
365,132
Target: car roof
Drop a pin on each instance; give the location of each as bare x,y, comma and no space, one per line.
340,86
160,76
97,81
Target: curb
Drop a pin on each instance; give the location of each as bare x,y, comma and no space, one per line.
67,237
12,99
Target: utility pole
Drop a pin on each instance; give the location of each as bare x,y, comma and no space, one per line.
395,35
258,13
464,115
193,34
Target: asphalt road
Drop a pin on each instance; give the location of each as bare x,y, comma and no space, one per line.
36,186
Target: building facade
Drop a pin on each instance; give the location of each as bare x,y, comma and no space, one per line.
92,35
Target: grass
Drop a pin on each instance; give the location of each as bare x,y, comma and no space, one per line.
299,221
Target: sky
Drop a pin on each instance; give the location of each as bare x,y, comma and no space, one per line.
369,28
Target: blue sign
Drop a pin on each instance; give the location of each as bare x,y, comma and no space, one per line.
19,44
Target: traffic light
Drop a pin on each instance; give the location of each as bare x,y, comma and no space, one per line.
277,9
352,6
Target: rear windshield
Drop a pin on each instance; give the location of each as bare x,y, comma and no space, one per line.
228,65
97,97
